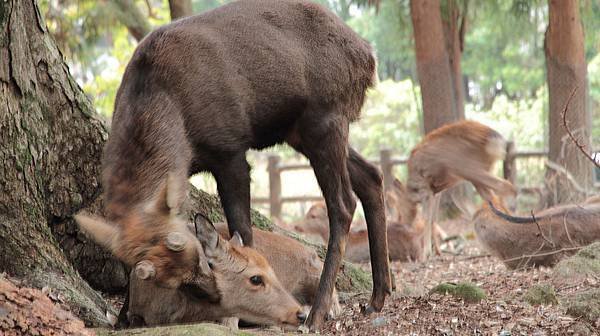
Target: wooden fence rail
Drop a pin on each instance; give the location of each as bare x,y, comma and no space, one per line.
386,162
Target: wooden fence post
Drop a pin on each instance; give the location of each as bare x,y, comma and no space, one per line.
385,159
274,186
509,169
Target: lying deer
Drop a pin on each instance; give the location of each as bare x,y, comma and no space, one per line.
257,294
405,228
465,150
198,93
539,240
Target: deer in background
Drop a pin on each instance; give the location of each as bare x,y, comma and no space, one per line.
540,240
198,93
461,151
263,299
405,228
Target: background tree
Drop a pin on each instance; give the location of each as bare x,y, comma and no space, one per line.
180,8
566,69
454,22
433,65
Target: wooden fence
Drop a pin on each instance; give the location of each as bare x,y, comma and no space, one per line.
386,162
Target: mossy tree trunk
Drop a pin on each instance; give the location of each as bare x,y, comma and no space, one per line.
49,153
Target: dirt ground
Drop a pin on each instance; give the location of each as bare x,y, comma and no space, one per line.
412,311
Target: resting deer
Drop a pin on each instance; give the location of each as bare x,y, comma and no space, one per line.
464,150
246,287
405,228
539,240
198,93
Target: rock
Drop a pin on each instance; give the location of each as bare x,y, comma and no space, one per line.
379,322
29,311
201,329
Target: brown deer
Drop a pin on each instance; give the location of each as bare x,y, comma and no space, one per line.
464,150
198,93
539,240
405,228
246,285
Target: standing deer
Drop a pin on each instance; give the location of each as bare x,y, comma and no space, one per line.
464,150
201,91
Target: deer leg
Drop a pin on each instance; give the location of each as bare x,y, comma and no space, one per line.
486,182
233,184
367,183
433,205
324,141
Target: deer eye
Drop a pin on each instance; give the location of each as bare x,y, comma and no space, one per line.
256,280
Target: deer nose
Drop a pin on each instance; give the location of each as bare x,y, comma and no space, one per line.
301,316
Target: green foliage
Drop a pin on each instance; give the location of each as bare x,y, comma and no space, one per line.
389,30
390,119
504,48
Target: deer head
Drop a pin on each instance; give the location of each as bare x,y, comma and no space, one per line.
155,242
248,286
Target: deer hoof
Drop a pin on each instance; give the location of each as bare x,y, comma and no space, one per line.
367,309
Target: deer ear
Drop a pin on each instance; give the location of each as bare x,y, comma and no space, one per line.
99,230
212,244
236,240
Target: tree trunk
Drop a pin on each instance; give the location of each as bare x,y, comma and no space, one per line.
180,8
433,66
455,25
131,17
566,70
50,145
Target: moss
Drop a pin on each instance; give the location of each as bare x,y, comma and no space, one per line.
541,294
585,305
583,264
208,329
464,290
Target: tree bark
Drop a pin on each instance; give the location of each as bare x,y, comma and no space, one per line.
180,8
455,25
433,65
566,70
49,154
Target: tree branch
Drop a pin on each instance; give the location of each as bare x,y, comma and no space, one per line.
591,157
180,8
132,17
